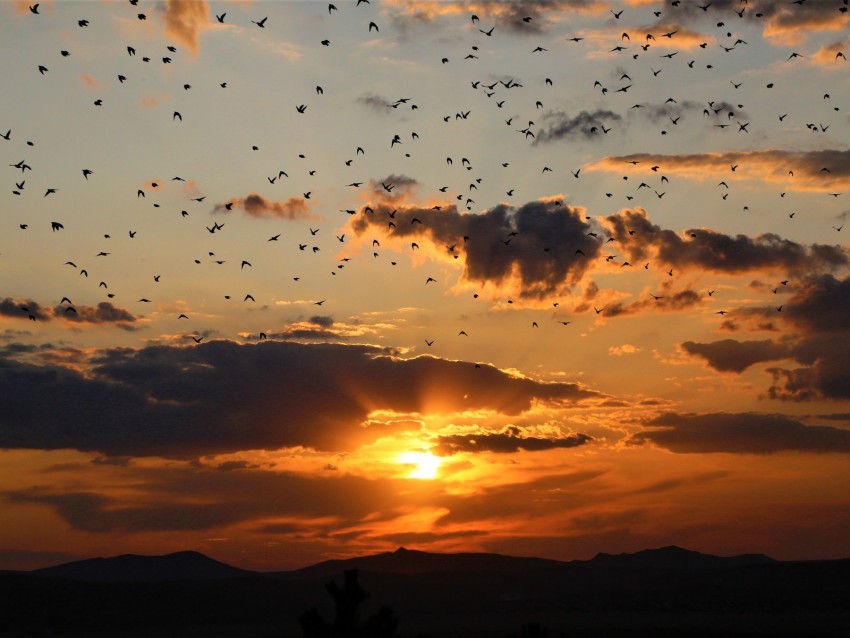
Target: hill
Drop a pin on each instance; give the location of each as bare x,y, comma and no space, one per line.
132,568
660,592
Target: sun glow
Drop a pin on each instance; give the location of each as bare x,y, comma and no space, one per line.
424,465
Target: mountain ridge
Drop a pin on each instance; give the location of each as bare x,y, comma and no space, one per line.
182,565
193,565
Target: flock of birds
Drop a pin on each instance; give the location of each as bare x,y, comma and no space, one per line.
490,96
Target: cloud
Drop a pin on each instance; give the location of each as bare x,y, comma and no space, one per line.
705,249
505,14
792,23
730,355
322,320
22,7
104,312
256,205
626,348
826,170
400,186
536,248
511,439
669,302
375,102
223,397
819,313
186,20
821,304
682,37
739,433
828,56
784,22
23,309
585,125
89,82
187,498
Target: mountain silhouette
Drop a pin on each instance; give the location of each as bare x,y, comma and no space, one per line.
667,591
411,561
133,568
673,557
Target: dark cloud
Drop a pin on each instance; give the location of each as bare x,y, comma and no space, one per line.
715,111
375,102
741,433
220,396
785,22
705,249
826,371
505,442
668,302
533,247
300,331
819,313
23,309
820,304
104,312
399,186
730,355
322,320
256,205
585,125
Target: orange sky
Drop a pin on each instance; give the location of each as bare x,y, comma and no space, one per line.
283,282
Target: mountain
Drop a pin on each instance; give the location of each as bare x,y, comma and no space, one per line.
673,557
410,561
132,568
667,591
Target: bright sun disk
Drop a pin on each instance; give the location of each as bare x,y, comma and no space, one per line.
424,465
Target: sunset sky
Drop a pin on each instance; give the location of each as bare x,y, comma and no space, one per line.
289,281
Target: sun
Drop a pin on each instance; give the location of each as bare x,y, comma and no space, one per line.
424,465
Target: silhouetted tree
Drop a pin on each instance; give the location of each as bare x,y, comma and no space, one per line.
346,622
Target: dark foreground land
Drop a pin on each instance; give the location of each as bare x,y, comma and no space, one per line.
665,592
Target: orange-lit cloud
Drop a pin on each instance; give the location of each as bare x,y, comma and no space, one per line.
256,205
154,101
792,23
89,82
185,21
824,170
504,13
680,37
22,7
220,397
785,23
833,56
